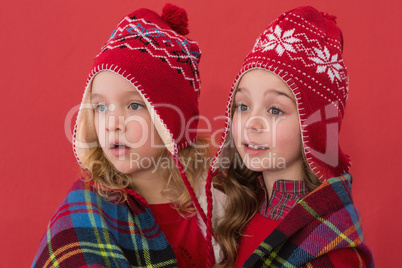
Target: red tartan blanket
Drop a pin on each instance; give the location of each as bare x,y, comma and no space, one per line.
322,230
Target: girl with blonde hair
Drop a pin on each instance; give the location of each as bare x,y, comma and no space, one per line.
141,203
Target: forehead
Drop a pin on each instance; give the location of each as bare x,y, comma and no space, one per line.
107,83
260,83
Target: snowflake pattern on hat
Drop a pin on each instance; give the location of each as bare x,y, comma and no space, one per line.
278,41
292,43
327,63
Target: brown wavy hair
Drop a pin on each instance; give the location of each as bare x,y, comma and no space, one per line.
110,183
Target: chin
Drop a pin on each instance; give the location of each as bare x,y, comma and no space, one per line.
126,169
267,164
254,168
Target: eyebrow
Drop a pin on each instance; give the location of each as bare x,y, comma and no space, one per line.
240,89
268,91
282,94
127,93
96,95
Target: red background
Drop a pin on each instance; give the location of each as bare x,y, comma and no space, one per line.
46,51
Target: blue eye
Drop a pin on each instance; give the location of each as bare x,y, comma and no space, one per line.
242,107
101,108
135,106
275,111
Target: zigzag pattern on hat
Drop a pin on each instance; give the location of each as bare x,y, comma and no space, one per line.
165,44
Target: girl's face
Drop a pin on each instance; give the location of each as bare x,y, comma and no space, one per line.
123,124
265,125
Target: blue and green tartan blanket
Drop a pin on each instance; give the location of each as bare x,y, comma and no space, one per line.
87,231
322,230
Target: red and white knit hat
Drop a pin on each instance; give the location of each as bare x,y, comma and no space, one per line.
152,53
304,48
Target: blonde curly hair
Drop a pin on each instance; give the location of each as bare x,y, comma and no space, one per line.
110,183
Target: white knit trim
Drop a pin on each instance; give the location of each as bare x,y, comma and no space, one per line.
297,95
163,131
219,201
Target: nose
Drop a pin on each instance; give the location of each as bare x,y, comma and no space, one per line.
256,123
115,121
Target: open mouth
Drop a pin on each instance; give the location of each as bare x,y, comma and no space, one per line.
119,149
119,146
256,147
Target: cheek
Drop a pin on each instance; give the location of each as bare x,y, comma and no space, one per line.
237,129
100,130
96,122
141,132
287,134
137,130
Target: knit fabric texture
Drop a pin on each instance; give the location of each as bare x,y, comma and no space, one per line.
161,64
322,230
304,48
87,231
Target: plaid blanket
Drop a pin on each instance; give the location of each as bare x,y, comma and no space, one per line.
87,231
322,230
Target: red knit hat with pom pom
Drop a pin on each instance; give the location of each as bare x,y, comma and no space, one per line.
304,48
152,53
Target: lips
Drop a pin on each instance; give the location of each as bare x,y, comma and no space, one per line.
119,146
256,147
252,148
119,149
